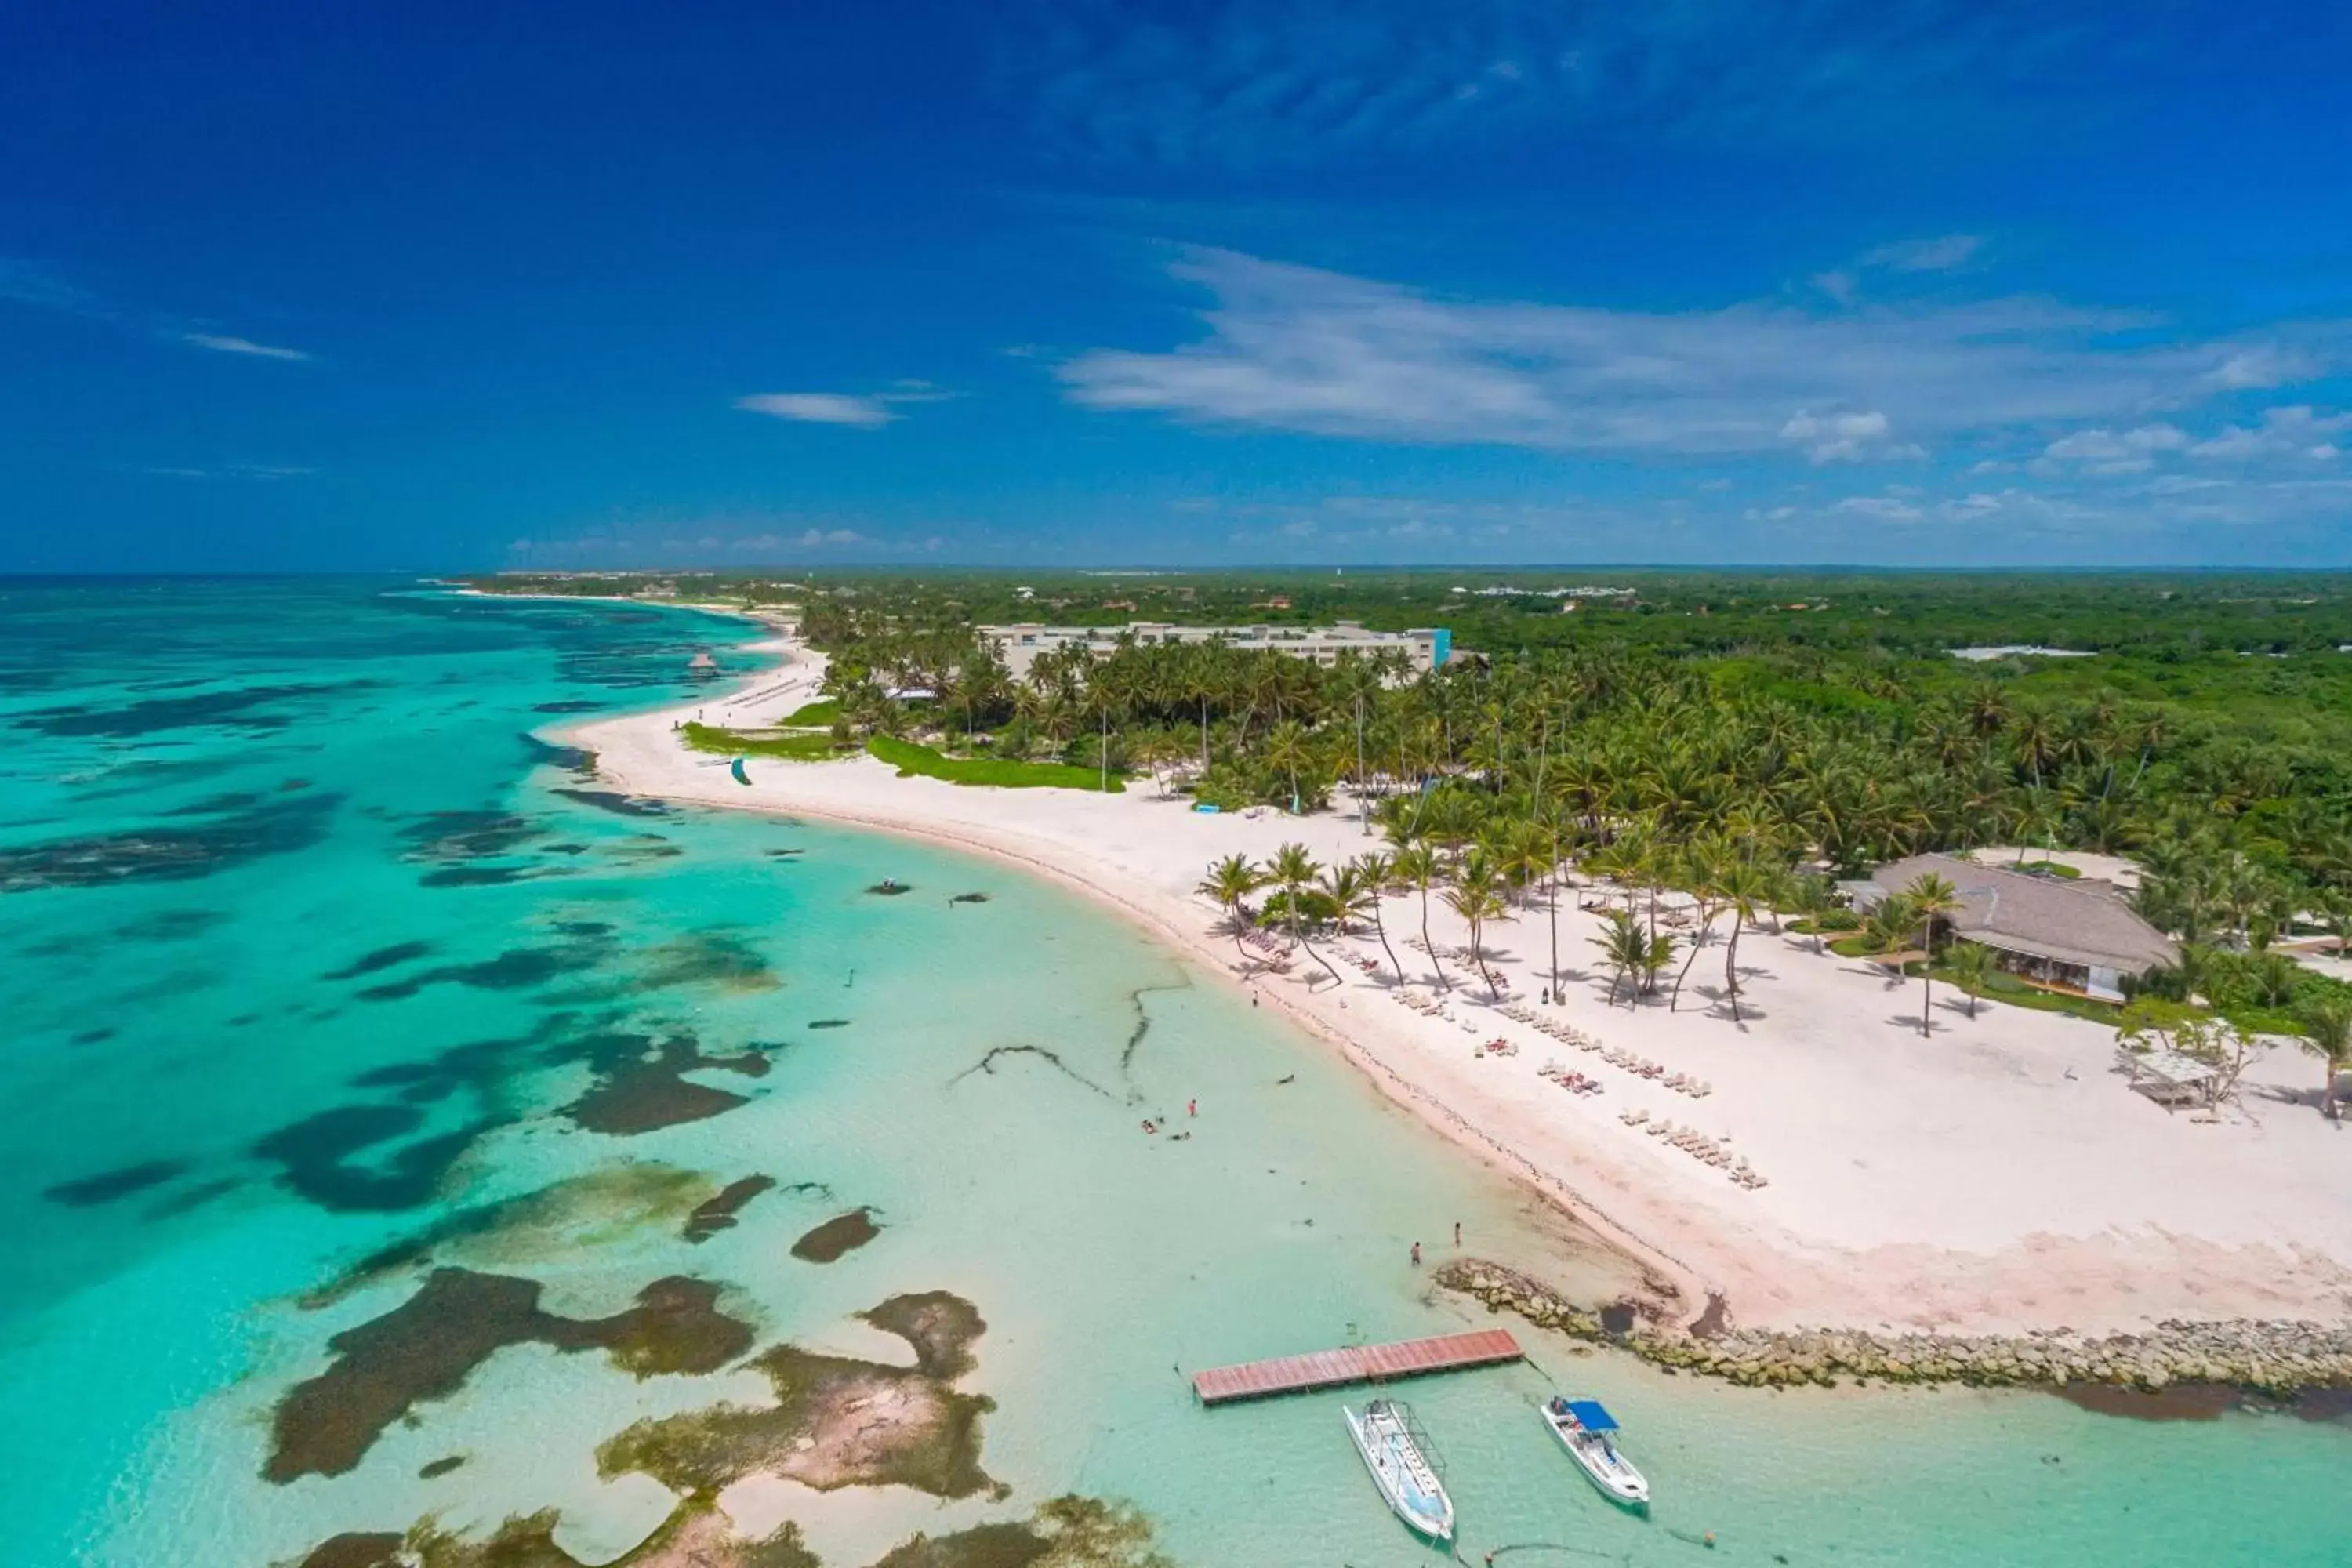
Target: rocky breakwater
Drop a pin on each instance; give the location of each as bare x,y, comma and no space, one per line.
2278,1361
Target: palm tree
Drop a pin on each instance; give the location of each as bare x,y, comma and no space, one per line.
1744,887
1293,871
1705,864
1376,871
2328,1035
1477,897
1416,866
1288,746
1931,898
1624,949
1656,960
1972,967
1815,898
1231,881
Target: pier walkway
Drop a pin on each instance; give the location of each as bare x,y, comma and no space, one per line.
1354,1363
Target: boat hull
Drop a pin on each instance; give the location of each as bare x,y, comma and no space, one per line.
1401,1474
1621,1483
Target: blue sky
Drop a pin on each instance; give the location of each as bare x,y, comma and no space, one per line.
433,286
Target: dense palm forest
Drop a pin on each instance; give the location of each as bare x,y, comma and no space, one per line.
1742,748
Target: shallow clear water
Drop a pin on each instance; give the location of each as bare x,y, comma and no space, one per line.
278,850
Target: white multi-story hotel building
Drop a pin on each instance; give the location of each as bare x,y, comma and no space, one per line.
1426,647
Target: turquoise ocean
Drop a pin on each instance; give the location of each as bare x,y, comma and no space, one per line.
318,966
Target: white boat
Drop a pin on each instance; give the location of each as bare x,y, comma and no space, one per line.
1583,1428
1385,1436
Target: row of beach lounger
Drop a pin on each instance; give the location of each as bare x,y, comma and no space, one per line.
1698,1146
1574,1082
1640,1067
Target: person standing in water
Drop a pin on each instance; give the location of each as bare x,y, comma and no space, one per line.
1416,1254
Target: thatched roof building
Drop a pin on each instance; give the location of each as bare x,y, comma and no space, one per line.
2079,934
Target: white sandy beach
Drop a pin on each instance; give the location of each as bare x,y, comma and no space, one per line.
1997,1177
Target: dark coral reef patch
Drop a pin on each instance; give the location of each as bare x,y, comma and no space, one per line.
695,1535
317,1157
719,1213
544,1225
167,854
837,1422
642,1085
426,1347
837,1237
1065,1533
111,1186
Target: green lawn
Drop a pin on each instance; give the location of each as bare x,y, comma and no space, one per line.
818,715
910,758
1999,986
810,746
2013,991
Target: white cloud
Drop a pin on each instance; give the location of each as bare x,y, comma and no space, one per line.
2291,432
864,411
2259,365
1298,349
1886,509
228,345
821,408
264,472
1945,253
2117,452
1846,438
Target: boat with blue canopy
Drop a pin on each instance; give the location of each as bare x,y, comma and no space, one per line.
1586,1429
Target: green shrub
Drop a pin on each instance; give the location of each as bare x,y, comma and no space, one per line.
910,759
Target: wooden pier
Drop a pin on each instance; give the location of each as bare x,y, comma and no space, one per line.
1354,1363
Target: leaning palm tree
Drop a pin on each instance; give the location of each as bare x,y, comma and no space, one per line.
1229,884
1416,866
2328,1035
1931,898
1375,872
1477,896
1293,871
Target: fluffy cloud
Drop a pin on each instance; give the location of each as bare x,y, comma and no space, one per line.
228,345
2294,432
1846,438
1298,349
2116,452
